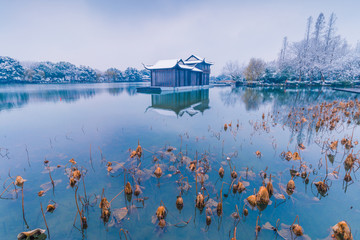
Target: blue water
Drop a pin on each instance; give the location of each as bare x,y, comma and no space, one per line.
99,123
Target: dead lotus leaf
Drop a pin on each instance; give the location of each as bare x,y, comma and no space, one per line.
33,234
342,231
296,156
334,145
119,213
252,200
262,197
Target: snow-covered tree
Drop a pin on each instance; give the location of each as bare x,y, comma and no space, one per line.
10,70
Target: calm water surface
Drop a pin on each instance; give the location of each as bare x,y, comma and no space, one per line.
97,123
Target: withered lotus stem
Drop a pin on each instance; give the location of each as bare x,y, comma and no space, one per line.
219,209
270,188
84,224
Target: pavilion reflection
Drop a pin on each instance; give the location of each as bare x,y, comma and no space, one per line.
191,102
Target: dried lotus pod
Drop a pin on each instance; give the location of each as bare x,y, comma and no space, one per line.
128,189
233,174
342,231
179,202
50,208
297,230
158,172
161,212
162,223
245,212
137,191
200,201
349,162
72,182
296,156
41,193
208,220
192,166
288,155
19,181
258,154
221,172
322,187
240,187
138,151
334,145
290,187
72,161
225,126
270,187
76,174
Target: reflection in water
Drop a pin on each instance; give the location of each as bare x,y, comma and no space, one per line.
191,102
253,98
15,96
279,102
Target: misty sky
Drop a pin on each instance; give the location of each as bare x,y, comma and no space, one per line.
116,33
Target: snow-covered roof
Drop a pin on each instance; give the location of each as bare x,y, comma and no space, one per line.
164,64
171,63
194,59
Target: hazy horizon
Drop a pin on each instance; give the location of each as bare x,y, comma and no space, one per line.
122,34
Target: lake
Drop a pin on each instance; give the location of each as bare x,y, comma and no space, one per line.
99,123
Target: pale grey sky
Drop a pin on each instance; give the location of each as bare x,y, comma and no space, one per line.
116,33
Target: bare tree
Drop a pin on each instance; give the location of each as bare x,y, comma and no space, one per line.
233,70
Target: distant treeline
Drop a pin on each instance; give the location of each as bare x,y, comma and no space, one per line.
12,70
322,56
